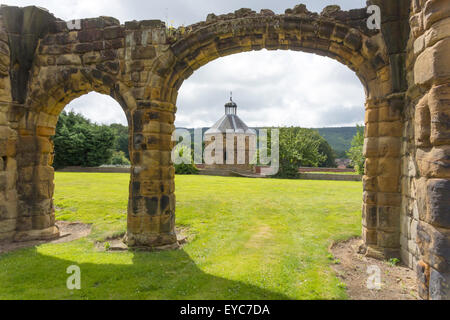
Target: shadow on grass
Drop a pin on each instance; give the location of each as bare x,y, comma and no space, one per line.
28,274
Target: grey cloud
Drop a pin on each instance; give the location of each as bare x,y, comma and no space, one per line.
179,11
296,89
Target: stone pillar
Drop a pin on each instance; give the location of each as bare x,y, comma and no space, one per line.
35,183
151,209
151,212
428,68
382,198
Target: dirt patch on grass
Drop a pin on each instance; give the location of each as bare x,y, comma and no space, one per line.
69,231
397,281
259,239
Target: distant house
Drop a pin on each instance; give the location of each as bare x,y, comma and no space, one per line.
343,163
232,130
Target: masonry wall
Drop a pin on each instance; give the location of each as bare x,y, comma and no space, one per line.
425,221
8,138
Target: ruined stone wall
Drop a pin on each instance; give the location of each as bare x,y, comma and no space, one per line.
426,149
103,56
8,138
45,63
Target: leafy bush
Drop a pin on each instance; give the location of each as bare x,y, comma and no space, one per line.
119,159
122,139
299,147
186,166
356,153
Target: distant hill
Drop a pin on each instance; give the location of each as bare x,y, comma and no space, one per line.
340,139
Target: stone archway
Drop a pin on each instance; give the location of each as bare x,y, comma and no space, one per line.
46,62
342,36
52,90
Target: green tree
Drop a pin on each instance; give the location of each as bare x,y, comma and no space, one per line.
326,150
122,139
356,153
78,142
298,147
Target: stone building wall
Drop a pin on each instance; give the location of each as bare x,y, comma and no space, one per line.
426,149
8,138
243,152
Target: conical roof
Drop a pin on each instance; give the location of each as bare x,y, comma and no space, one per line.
230,122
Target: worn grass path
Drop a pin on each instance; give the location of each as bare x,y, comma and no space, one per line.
252,239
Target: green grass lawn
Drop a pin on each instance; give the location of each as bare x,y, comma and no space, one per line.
252,239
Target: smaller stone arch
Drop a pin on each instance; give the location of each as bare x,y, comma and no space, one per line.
50,90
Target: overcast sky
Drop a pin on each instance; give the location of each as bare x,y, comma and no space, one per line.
270,87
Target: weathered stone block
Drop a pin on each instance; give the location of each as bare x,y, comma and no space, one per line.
419,45
370,216
7,236
423,276
42,222
438,101
389,240
390,129
439,202
388,184
371,147
68,59
371,130
371,115
389,167
389,199
370,237
434,245
434,11
144,53
113,32
423,123
8,225
370,183
389,147
439,285
391,112
433,64
353,40
84,48
167,223
389,219
43,190
434,163
438,31
90,35
45,234
371,167
45,173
